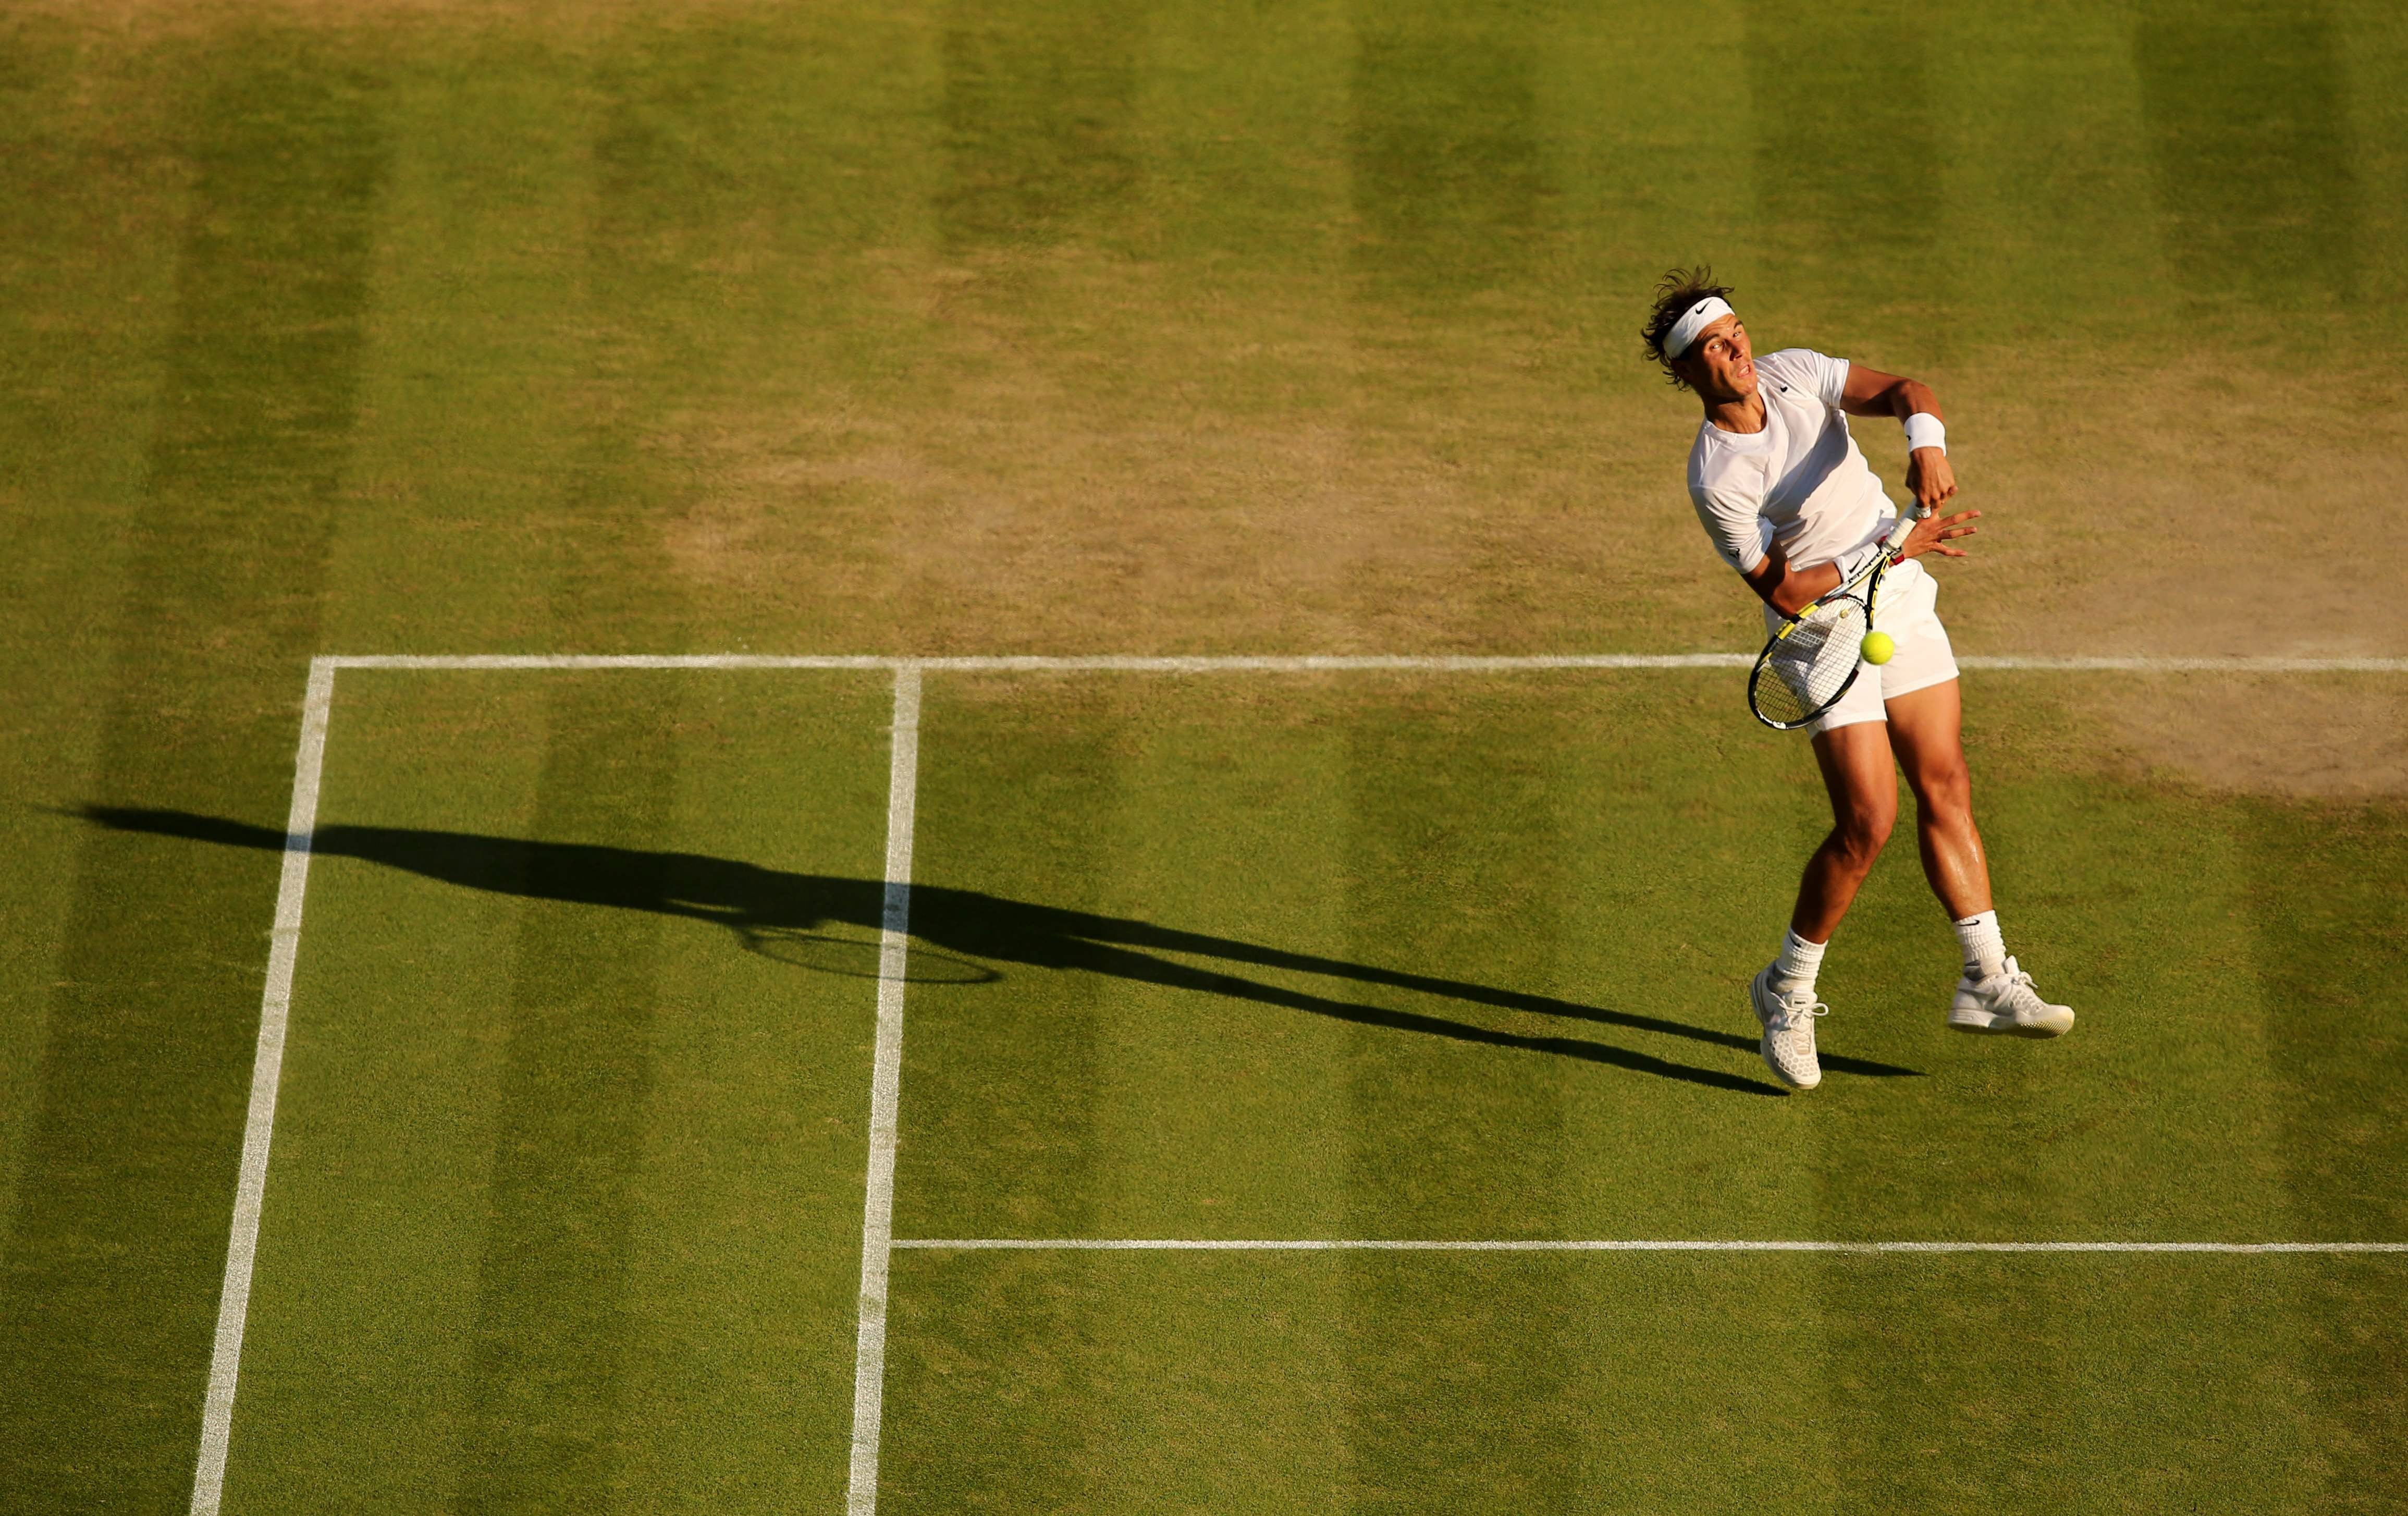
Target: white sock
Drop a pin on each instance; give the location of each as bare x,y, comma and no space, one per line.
1986,947
1796,967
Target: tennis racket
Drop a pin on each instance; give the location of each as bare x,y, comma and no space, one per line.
1813,657
855,958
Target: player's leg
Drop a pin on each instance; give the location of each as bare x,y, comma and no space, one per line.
1861,778
1862,781
1927,730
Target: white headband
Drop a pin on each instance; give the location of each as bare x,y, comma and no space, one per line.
1684,331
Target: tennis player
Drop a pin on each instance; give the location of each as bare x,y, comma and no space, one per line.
1790,503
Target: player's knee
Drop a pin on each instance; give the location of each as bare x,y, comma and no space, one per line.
1859,837
1870,835
1946,791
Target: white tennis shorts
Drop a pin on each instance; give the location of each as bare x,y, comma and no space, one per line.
1923,658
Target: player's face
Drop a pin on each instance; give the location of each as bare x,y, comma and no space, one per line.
1720,365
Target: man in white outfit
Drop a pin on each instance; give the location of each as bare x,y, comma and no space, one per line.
1790,503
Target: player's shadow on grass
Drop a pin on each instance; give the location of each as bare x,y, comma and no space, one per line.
763,905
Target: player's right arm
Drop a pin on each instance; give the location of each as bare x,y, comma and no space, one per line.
1732,514
1791,590
1733,518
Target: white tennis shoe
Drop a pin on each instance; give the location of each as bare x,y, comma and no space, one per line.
2006,1002
1788,1031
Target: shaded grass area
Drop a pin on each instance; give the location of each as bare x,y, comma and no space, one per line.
565,1205
116,1235
1293,957
546,1373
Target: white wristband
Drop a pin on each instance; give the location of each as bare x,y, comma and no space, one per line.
1923,429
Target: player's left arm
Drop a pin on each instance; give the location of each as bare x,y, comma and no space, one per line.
1869,392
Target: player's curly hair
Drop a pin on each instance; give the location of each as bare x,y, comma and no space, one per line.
1678,290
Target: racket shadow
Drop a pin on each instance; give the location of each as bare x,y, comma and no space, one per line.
791,917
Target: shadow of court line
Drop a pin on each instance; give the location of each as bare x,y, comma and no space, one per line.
752,900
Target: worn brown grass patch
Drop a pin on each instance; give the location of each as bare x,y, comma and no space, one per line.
1070,448
2328,736
1087,459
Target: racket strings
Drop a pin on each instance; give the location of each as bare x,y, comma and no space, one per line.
1806,671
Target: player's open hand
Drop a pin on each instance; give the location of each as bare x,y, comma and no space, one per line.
1933,534
1930,478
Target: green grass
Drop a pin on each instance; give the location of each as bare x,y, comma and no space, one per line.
1069,326
566,1197
566,1203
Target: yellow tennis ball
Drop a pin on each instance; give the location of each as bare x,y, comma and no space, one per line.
1878,648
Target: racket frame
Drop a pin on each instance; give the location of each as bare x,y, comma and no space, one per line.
1869,576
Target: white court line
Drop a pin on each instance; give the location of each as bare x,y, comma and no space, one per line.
606,660
1317,1245
885,1087
2171,665
1313,664
266,1066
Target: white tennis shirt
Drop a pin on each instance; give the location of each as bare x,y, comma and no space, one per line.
1800,481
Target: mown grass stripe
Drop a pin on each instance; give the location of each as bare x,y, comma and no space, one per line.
135,1109
545,1389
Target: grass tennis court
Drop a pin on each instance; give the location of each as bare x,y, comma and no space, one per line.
588,1228
1077,327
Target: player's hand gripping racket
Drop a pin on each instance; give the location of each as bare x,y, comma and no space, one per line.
1813,658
